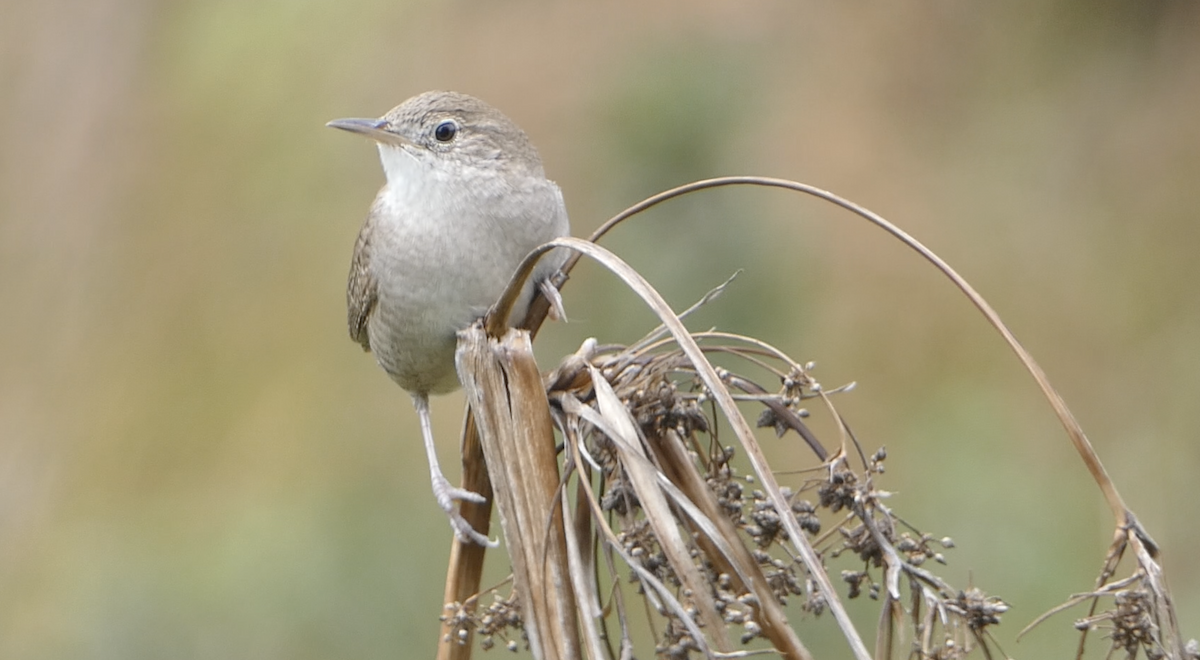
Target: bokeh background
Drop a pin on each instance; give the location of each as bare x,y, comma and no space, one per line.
195,461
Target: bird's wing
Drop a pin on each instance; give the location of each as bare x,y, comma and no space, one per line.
361,289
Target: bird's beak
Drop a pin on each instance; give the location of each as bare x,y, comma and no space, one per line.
372,128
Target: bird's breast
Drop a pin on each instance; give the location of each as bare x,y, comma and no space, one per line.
440,258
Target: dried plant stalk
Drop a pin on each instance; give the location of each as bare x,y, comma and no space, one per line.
465,569
504,390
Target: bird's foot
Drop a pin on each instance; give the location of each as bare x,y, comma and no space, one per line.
447,495
557,311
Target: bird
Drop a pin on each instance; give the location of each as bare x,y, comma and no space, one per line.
465,200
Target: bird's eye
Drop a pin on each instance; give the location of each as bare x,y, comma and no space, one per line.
445,131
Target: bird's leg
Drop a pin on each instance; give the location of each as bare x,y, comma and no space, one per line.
445,493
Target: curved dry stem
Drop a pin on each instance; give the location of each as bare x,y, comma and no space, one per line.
1074,431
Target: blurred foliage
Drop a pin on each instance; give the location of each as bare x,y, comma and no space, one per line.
674,122
196,462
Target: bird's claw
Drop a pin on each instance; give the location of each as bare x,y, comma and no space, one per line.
557,312
446,496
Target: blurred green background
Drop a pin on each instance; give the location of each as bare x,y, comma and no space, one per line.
196,462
